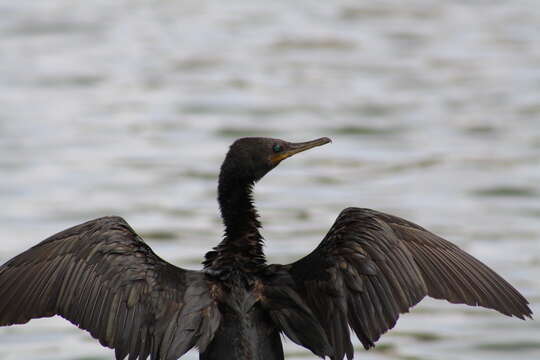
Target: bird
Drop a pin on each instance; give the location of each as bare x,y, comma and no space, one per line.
368,269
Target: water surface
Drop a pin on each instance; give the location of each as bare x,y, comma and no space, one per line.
127,108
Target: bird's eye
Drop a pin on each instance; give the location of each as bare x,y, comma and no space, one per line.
277,148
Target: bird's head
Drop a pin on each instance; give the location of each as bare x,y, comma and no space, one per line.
250,158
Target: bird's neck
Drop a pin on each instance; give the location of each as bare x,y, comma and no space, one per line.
242,245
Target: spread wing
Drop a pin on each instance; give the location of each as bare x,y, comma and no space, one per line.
102,277
371,267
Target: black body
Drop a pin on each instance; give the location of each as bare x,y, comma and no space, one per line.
246,330
369,268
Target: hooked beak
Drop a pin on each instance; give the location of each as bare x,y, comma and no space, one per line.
295,148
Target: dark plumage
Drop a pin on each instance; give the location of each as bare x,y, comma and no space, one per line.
368,269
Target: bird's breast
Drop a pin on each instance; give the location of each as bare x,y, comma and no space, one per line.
246,330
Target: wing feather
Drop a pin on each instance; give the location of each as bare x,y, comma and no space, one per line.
102,277
372,266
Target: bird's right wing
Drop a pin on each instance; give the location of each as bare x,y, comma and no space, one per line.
372,266
102,277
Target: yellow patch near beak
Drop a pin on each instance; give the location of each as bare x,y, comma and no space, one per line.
276,158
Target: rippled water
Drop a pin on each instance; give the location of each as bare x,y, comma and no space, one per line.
127,108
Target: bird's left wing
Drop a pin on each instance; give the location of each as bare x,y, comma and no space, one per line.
372,266
102,277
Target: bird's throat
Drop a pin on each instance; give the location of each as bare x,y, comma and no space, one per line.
242,245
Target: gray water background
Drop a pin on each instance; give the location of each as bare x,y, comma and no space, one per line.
127,108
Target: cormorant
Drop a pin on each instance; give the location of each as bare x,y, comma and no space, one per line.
369,268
